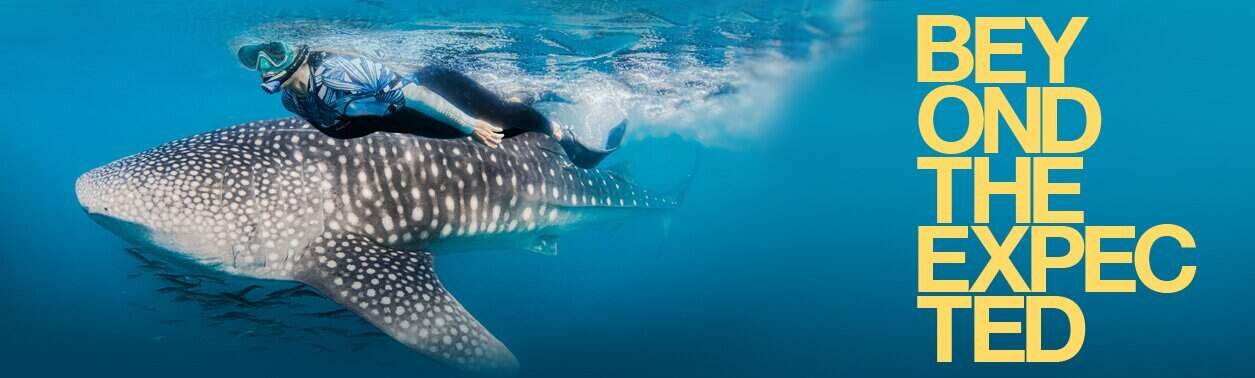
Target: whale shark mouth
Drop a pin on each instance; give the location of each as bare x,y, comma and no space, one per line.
175,248
131,232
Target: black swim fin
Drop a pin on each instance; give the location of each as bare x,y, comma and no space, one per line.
588,157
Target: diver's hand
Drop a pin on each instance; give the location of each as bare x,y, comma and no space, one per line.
487,134
557,130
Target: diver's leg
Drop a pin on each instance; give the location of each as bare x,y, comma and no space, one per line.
354,129
410,121
593,119
516,118
481,103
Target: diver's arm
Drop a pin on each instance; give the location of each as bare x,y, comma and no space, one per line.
433,105
377,91
360,87
415,97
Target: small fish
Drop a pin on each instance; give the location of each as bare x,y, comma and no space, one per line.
178,280
291,306
232,315
274,331
138,255
305,293
368,334
237,299
218,280
141,306
285,291
320,347
193,294
215,303
334,330
169,289
170,321
244,292
152,268
265,322
358,347
329,314
257,348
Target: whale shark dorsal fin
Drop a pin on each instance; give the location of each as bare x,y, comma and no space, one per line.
398,292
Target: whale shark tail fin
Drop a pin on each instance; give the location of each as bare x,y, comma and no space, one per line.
398,292
677,194
681,187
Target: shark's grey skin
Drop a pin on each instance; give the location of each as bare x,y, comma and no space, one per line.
360,218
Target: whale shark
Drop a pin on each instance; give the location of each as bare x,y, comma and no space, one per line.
360,219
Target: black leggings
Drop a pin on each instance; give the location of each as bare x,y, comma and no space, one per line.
465,94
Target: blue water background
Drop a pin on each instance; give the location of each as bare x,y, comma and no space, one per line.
793,255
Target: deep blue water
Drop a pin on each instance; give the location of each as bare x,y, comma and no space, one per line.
792,256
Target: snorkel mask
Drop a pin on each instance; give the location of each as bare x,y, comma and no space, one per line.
275,60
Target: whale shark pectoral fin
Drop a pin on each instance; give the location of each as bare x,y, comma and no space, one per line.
398,292
545,245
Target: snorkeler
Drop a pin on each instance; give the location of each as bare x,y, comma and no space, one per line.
349,96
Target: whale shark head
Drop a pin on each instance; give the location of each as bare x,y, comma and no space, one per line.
169,197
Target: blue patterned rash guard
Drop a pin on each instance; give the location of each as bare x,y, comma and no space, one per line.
350,96
341,87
